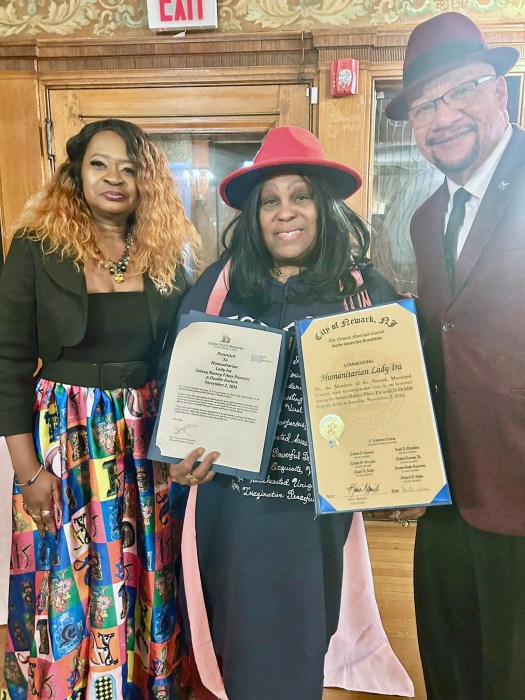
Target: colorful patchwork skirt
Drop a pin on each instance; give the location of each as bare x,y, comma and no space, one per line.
92,611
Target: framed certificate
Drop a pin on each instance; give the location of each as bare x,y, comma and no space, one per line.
372,431
223,392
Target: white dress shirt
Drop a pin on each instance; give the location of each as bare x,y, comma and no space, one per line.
476,186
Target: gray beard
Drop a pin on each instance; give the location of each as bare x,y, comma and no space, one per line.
462,165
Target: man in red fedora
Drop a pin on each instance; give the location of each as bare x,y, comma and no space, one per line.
469,241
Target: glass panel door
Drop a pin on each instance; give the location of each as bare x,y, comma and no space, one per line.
198,164
402,180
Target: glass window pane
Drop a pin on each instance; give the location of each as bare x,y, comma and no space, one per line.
198,163
402,180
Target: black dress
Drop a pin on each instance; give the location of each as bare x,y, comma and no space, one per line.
271,571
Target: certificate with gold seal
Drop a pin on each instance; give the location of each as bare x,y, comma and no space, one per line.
372,431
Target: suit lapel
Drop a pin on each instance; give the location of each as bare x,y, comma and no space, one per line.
435,287
492,209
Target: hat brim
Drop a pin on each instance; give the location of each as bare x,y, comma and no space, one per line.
502,58
236,187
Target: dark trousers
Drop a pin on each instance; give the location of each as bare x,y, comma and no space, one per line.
470,608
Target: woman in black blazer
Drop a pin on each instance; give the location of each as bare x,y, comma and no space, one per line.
90,285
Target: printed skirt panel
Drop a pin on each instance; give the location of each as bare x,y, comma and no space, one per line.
92,612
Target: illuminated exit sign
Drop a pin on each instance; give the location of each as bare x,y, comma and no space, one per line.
182,14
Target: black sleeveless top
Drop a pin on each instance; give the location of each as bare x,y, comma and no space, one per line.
118,330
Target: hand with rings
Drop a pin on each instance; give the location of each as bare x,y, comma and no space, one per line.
395,516
193,471
43,503
43,519
404,516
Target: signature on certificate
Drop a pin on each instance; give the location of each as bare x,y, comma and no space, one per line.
183,430
354,489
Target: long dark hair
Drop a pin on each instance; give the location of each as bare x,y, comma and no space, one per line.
342,241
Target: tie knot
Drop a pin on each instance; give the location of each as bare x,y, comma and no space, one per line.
461,197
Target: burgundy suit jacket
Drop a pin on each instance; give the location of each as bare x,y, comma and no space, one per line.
475,345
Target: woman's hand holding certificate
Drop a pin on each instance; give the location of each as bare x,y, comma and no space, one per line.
194,470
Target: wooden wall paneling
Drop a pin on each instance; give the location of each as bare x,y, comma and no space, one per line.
21,152
344,128
214,50
179,101
131,77
64,113
295,106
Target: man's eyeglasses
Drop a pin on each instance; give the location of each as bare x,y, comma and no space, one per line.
457,98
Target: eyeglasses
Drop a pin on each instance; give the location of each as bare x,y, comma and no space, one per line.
457,98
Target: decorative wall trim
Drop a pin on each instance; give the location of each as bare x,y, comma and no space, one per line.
113,18
159,53
213,50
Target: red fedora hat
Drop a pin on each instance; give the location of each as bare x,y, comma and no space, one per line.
439,45
288,149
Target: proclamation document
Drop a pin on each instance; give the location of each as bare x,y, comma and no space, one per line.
223,392
372,431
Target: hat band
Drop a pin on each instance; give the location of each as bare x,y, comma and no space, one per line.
444,55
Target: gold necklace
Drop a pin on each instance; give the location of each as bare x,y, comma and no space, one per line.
281,274
118,269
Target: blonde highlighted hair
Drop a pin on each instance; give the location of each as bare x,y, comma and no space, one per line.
163,236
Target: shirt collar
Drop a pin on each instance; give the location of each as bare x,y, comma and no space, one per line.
479,181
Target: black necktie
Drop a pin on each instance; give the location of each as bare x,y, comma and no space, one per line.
450,240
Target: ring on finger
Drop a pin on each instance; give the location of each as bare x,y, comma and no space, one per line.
36,517
27,509
193,479
45,513
401,521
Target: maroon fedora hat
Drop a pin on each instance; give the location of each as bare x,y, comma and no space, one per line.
439,45
289,149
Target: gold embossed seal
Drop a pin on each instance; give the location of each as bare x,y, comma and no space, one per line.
331,427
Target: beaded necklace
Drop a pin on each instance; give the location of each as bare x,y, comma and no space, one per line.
118,269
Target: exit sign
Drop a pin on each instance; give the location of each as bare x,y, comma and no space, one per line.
182,14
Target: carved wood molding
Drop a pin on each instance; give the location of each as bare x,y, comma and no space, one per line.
386,45
159,53
216,50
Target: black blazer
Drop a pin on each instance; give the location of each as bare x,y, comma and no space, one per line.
43,308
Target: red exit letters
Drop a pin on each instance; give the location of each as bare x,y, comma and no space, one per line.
180,10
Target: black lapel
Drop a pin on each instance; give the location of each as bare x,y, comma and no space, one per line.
64,273
155,302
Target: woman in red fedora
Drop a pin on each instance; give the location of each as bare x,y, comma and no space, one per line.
271,573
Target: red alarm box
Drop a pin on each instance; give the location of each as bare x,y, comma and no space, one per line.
344,74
